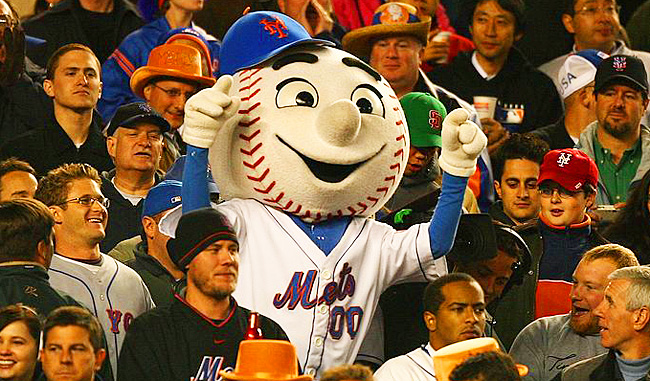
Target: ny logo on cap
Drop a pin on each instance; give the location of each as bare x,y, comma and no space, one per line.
275,26
619,63
435,120
564,159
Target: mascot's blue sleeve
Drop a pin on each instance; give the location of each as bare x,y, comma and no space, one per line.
444,222
196,195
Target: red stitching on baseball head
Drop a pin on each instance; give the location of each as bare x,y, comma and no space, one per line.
252,151
249,123
254,165
260,178
265,190
250,137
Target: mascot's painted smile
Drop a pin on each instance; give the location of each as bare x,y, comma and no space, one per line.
329,173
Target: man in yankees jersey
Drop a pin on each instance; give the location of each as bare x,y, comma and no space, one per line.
198,334
306,141
109,289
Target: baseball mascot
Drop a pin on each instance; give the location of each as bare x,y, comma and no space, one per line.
306,142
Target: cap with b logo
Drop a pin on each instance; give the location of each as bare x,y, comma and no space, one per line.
624,70
424,116
569,167
579,70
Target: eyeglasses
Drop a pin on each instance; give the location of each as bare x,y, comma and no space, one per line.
591,10
88,201
547,192
175,93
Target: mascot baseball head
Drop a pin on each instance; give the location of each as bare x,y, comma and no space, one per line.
307,128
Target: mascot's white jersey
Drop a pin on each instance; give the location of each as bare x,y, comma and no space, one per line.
332,298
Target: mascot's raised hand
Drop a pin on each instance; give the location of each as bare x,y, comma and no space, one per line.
210,111
462,142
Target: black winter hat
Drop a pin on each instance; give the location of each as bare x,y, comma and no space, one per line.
196,231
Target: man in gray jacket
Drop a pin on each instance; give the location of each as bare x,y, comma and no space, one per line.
550,344
624,321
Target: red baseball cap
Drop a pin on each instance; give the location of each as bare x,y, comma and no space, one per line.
571,168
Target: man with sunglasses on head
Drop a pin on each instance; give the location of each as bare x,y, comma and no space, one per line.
567,186
134,139
111,290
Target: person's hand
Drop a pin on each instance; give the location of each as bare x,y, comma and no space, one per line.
319,19
496,134
208,111
436,50
297,10
462,142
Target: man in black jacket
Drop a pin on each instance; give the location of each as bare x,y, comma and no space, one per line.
72,133
526,97
134,141
26,249
198,334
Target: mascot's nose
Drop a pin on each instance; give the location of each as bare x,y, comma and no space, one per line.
339,123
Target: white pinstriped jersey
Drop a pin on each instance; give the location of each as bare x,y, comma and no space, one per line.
112,291
324,303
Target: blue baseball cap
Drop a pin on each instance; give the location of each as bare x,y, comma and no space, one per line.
258,36
164,196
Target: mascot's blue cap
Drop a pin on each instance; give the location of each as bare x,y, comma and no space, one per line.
258,36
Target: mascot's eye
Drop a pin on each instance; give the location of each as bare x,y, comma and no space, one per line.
368,100
296,92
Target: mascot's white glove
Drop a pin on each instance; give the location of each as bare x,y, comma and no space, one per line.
462,142
207,111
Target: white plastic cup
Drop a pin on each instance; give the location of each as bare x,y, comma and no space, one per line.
442,37
485,106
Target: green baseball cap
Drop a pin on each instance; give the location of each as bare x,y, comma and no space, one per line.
424,115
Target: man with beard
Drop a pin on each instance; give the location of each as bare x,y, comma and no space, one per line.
198,334
550,344
616,141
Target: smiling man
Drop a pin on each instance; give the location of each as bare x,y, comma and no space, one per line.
617,141
72,134
496,68
198,334
115,293
454,310
550,344
135,144
624,322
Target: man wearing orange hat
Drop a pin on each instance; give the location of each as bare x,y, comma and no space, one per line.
173,73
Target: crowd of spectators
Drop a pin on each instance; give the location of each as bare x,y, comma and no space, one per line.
549,258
